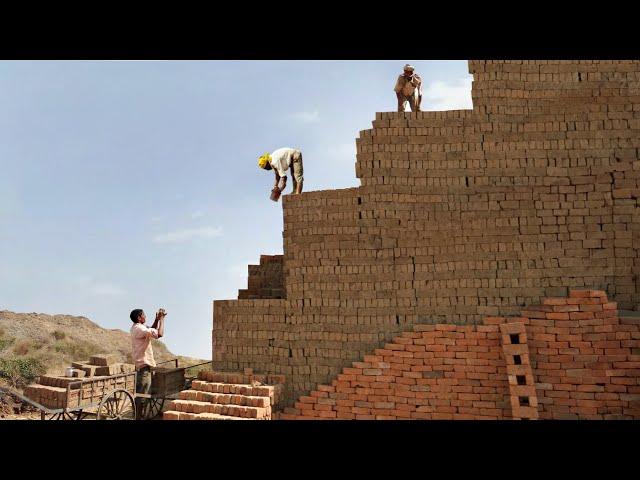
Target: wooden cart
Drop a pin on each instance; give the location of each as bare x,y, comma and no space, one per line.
103,398
166,382
114,397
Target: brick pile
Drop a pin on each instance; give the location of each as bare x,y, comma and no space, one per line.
586,358
568,358
227,396
54,392
460,215
265,280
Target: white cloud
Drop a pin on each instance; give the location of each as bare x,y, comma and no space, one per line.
96,287
106,289
197,214
441,95
156,219
306,117
188,234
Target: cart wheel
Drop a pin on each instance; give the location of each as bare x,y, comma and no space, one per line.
81,415
53,416
117,405
151,408
64,415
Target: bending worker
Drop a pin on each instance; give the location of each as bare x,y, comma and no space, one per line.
409,88
280,161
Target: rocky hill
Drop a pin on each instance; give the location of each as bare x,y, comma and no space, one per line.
52,341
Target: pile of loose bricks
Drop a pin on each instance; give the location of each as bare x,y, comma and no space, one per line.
460,215
567,358
227,396
265,280
54,392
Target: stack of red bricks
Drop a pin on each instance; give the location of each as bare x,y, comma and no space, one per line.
432,372
226,396
460,215
586,361
569,358
265,280
54,391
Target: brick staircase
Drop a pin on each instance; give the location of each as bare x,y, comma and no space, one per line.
265,280
227,396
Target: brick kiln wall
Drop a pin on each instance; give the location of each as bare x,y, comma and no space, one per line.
568,358
460,214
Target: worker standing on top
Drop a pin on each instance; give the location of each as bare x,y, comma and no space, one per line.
409,88
280,161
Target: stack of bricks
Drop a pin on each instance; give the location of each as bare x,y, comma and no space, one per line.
433,372
88,385
103,365
227,396
51,392
569,358
265,280
460,215
585,360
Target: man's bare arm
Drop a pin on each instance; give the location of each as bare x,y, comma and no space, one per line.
161,326
283,180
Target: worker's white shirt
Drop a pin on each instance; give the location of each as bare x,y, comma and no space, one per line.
281,160
141,337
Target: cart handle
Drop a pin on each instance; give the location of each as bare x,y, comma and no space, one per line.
199,364
169,361
29,401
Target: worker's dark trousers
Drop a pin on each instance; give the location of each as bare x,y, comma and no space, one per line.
143,385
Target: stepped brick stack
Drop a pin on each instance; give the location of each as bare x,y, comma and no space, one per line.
460,215
265,280
568,358
227,396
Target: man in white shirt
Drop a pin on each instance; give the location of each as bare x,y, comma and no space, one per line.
409,89
280,161
142,351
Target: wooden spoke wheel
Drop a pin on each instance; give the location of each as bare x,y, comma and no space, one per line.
82,415
151,408
117,405
63,415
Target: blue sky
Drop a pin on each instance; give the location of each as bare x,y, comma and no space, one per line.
134,184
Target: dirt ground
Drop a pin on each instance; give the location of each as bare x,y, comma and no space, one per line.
12,408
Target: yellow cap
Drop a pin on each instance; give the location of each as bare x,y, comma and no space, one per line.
264,160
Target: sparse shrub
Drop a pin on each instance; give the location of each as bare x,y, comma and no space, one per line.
5,342
79,349
22,347
58,335
21,371
38,344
